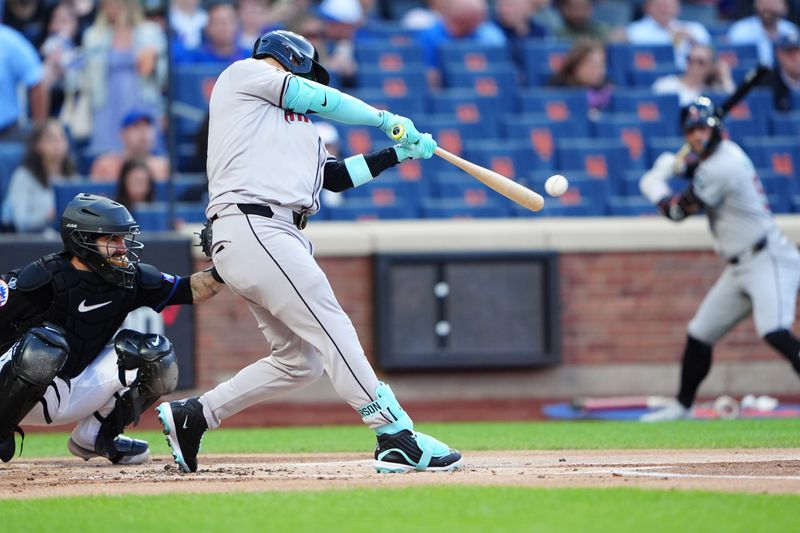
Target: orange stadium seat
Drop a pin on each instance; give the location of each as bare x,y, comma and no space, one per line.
658,113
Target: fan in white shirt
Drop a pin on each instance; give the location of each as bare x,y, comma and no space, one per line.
704,73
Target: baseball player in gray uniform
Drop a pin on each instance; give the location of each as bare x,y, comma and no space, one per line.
266,167
763,267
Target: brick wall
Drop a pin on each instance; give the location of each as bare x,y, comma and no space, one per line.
617,308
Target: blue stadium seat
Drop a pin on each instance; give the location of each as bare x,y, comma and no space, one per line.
450,134
630,206
405,103
365,209
390,189
624,59
780,155
10,157
779,190
153,216
597,158
658,145
785,123
462,208
192,85
512,159
65,192
499,81
542,59
410,82
540,134
460,186
468,107
625,127
629,186
388,56
190,213
188,188
473,56
753,112
361,139
646,78
658,113
591,193
560,105
738,56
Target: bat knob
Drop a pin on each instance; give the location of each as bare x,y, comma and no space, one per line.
398,131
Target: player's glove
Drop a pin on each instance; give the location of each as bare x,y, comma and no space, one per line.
390,120
422,149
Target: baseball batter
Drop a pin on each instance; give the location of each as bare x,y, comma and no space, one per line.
266,167
763,267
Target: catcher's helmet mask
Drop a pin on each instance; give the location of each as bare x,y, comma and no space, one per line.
88,217
294,52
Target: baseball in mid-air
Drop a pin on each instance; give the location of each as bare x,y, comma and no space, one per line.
556,185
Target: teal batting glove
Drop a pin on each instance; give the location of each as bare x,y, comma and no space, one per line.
422,149
398,128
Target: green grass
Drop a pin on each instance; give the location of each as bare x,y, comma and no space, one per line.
480,436
437,509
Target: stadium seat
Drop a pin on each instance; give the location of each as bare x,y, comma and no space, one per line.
738,56
590,193
474,56
597,158
624,59
542,59
192,85
461,208
10,157
630,206
658,113
779,190
361,139
66,191
780,155
658,145
498,81
458,185
400,100
188,188
390,188
625,127
785,123
190,213
365,209
153,216
410,82
388,56
512,159
468,107
540,134
646,78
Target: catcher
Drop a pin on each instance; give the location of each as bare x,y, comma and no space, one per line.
57,317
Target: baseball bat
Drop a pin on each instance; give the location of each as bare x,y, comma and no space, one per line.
751,79
497,182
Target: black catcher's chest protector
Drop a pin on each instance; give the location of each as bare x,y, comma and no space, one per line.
87,307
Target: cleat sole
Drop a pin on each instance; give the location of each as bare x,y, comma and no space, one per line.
168,422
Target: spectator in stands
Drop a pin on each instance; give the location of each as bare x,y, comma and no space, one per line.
86,10
585,66
704,73
546,15
763,29
19,65
138,140
421,17
341,19
254,21
125,69
187,20
576,16
459,19
221,38
30,203
136,184
785,79
62,60
515,18
661,25
29,17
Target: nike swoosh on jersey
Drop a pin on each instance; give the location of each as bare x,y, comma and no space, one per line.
83,308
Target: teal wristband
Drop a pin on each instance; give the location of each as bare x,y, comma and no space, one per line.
358,169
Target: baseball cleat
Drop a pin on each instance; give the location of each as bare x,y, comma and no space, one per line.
127,451
673,411
184,426
410,451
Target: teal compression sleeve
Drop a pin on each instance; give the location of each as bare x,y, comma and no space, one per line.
304,95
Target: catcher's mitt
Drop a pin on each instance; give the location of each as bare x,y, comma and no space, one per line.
206,238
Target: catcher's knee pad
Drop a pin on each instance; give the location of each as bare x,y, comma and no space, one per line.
153,356
387,409
35,360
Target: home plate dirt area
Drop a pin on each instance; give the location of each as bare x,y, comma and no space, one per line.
761,470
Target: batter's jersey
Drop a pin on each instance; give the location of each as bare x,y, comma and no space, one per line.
737,208
258,152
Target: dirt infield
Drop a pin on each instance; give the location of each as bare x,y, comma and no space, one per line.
770,471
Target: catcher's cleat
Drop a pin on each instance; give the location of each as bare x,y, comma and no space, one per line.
127,451
184,426
409,451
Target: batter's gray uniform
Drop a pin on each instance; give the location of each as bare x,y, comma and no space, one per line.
264,155
763,271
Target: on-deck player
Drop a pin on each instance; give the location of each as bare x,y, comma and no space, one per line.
763,267
266,166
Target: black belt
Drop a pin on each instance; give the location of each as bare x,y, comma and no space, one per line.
757,247
298,219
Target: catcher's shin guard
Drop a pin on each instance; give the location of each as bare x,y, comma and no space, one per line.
35,361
